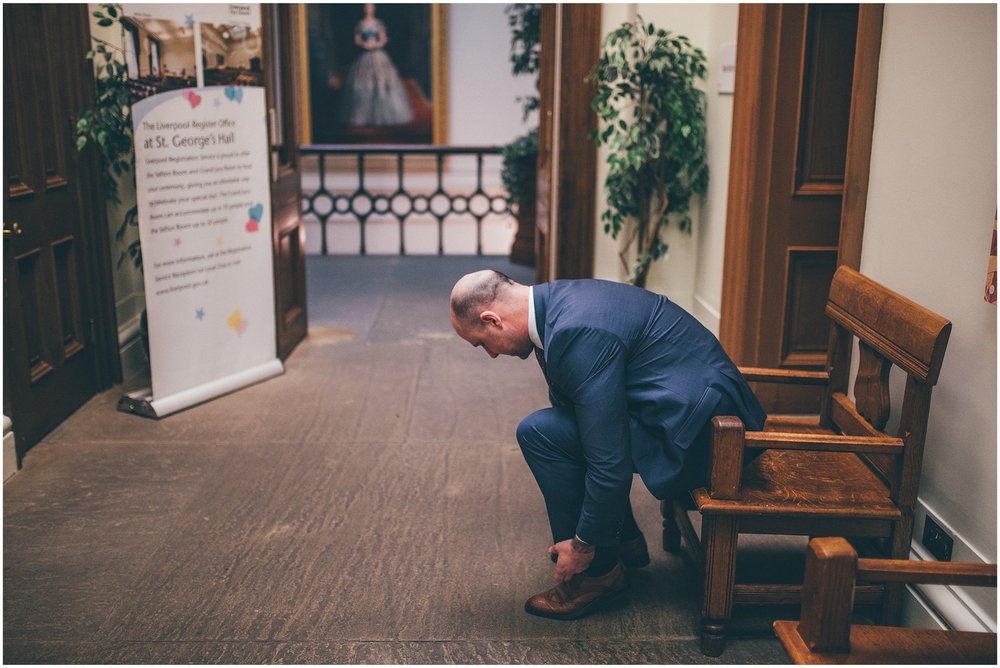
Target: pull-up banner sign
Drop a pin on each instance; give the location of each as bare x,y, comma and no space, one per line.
201,161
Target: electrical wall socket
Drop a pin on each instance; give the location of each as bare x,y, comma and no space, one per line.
936,540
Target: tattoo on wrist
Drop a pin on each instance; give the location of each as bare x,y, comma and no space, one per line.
579,546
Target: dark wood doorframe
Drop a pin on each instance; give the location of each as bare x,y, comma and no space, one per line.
95,233
283,78
41,394
750,164
859,134
567,156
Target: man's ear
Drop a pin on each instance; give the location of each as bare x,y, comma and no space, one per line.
490,318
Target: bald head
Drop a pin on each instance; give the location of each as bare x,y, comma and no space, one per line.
490,310
478,291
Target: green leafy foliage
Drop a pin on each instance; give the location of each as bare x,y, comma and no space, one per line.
519,156
652,119
107,125
519,164
525,21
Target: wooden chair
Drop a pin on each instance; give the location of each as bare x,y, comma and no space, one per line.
838,474
825,633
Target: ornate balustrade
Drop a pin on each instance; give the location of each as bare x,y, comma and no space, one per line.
404,183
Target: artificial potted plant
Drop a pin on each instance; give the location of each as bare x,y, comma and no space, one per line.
520,156
653,119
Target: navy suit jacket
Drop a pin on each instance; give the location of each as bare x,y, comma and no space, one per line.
643,378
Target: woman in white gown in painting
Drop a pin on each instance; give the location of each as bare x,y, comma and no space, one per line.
374,93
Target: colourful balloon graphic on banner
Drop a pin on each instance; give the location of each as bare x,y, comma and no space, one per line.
256,211
192,97
237,323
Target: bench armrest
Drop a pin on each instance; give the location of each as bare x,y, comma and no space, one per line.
927,572
832,566
787,376
730,439
776,440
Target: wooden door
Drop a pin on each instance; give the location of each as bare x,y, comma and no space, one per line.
567,156
282,34
800,103
56,303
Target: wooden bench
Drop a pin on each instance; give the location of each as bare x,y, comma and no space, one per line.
838,474
826,635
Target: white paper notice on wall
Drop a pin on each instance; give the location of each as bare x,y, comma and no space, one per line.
203,193
727,68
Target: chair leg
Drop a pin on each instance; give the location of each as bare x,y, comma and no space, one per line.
671,532
719,535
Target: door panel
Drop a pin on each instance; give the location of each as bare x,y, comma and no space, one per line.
282,75
50,360
825,99
804,336
804,202
791,130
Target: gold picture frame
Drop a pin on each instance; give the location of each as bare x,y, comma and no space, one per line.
314,63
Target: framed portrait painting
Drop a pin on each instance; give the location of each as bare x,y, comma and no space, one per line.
377,73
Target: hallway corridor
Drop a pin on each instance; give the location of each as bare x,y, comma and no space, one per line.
370,505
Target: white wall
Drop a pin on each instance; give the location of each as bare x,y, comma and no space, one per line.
607,264
482,91
691,275
931,201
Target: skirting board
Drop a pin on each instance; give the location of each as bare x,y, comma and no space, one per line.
948,607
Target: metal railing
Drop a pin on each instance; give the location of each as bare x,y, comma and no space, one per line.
394,197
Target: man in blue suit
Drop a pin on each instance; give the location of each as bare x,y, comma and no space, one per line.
634,382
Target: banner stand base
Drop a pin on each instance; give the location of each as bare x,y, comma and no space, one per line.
137,403
141,402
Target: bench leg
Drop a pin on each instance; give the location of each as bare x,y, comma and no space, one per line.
671,532
713,636
719,535
892,600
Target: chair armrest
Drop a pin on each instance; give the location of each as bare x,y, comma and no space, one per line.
776,440
726,457
788,376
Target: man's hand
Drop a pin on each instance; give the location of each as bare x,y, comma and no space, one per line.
573,556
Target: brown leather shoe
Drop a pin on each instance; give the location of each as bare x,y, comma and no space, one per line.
634,553
578,597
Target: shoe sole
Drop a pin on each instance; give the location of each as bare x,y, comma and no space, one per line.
582,612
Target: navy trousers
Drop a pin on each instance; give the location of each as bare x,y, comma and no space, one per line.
550,444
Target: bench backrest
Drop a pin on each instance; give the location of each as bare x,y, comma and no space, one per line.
891,330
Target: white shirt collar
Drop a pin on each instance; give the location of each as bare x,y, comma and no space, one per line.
532,325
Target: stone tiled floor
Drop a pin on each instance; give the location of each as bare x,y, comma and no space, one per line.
368,506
